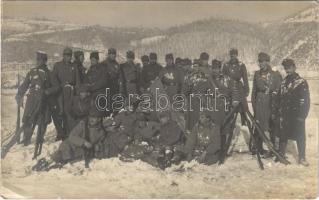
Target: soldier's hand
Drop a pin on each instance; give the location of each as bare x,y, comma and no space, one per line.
300,119
46,92
273,116
87,144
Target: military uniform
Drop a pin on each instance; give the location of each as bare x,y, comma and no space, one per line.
203,142
172,79
55,108
73,147
129,78
64,80
36,112
149,73
237,72
80,69
294,108
196,83
266,85
113,75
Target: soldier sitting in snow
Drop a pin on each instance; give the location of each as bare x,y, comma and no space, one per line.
154,141
83,137
203,142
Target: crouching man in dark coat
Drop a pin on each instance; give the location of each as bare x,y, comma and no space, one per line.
84,137
294,108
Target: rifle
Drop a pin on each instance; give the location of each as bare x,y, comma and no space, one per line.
39,138
18,112
124,81
87,152
253,123
41,125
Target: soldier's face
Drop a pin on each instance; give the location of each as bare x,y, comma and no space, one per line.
233,56
263,65
164,120
67,58
112,56
94,61
83,95
289,70
40,62
169,62
215,70
153,61
93,121
145,63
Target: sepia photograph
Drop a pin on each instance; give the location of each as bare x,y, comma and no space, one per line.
159,99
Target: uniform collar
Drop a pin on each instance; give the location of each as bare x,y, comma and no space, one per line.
234,61
44,66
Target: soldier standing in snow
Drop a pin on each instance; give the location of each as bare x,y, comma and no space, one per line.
237,72
130,77
294,108
224,96
36,110
112,69
96,82
266,85
64,79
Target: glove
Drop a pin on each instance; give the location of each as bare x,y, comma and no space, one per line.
46,92
87,144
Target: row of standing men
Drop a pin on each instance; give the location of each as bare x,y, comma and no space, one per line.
63,88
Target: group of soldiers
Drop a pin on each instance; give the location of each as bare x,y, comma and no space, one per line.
67,96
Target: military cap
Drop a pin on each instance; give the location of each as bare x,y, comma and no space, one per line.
95,55
41,55
67,51
145,58
112,51
77,54
153,56
288,62
204,56
233,51
188,61
178,60
169,56
263,57
216,64
130,54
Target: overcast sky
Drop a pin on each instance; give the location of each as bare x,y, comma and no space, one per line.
160,14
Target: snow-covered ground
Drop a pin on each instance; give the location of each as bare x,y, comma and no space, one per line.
239,177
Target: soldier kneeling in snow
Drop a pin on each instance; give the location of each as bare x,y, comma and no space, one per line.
154,141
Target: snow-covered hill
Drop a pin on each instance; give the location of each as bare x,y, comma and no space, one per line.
308,15
295,37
